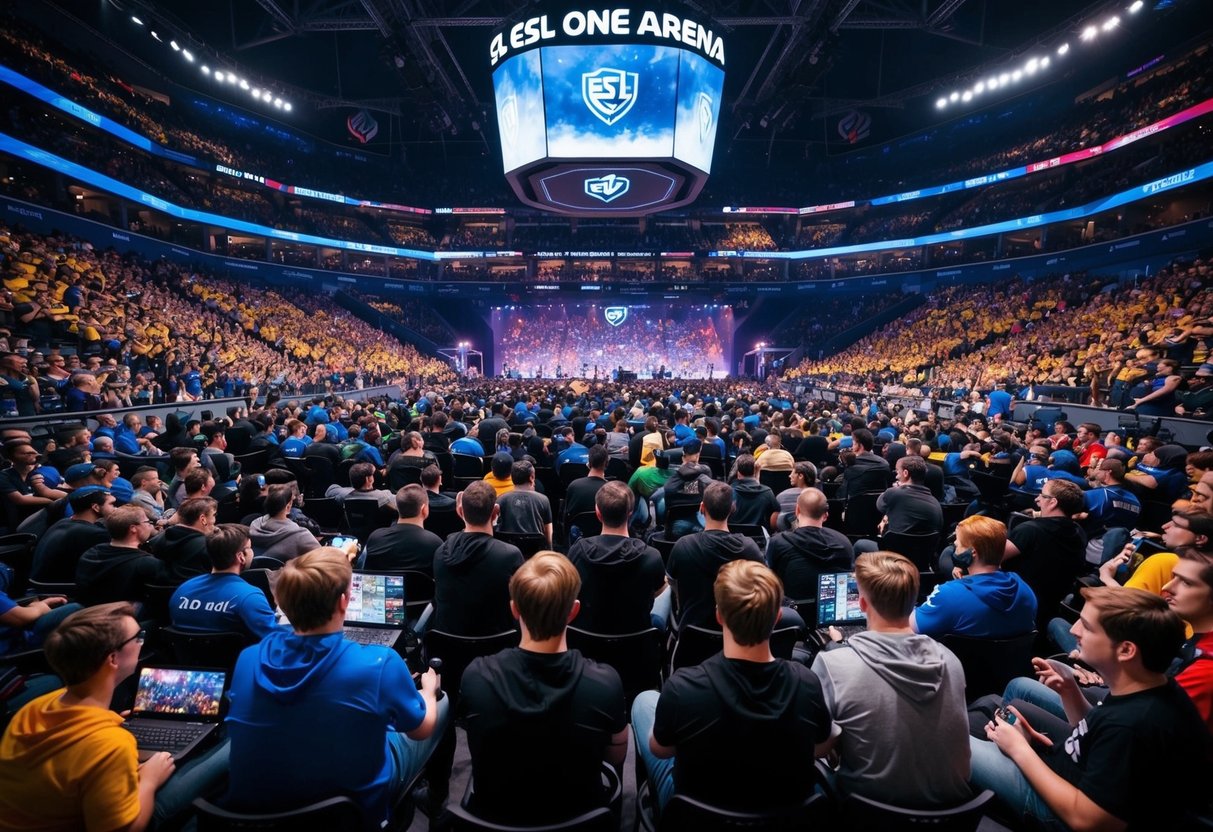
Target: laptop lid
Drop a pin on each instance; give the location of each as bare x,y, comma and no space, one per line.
838,599
179,693
377,600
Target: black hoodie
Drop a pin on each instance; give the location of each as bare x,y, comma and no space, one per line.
693,565
183,551
108,573
802,554
472,572
619,578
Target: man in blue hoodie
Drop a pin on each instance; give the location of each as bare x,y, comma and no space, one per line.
314,716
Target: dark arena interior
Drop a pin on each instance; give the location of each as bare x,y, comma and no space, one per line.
708,415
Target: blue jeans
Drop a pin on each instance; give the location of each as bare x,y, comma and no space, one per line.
1033,692
991,769
409,756
46,625
660,772
197,778
1059,634
662,604
1114,539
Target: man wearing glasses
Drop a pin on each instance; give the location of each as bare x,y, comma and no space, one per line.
1049,551
65,760
120,570
222,601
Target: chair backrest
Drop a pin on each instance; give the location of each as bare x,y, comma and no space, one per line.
52,588
862,516
528,544
418,592
775,480
754,532
320,474
636,657
238,440
363,516
266,562
570,471
715,465
341,473
443,523
862,813
679,508
991,487
989,663
17,552
206,649
684,812
601,819
618,469
468,466
255,462
337,814
260,578
919,548
693,645
457,652
588,522
155,602
326,511
398,476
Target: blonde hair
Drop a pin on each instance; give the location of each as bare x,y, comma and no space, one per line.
889,581
986,536
748,596
544,589
310,585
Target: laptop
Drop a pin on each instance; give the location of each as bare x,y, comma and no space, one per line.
175,709
376,614
838,603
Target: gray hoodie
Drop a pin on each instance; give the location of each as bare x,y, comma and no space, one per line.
282,539
899,701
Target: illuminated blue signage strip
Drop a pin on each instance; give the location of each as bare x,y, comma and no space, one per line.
20,149
15,79
1152,188
964,184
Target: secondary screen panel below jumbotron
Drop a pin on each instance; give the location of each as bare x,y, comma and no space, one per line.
575,339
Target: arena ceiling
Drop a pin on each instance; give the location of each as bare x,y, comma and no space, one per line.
795,65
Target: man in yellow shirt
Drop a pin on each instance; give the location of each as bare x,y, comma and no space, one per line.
67,763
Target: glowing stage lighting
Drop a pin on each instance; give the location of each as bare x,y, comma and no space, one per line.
1111,23
156,36
1044,62
286,105
206,70
941,103
954,97
244,85
1063,49
278,103
188,55
256,93
176,47
1016,75
136,21
979,88
1136,7
967,97
992,83
1089,33
1031,66
1003,78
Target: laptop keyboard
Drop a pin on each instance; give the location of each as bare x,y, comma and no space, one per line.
382,638
167,737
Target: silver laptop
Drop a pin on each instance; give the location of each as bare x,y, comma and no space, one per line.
838,603
376,614
175,709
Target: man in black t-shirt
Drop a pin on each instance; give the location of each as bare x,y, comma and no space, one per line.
579,498
740,730
405,544
754,504
64,542
696,558
1049,552
540,718
1138,760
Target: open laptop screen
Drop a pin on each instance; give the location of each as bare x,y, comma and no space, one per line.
377,599
838,599
179,692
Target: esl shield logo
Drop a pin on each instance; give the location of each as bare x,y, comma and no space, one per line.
615,315
609,93
607,188
703,109
509,118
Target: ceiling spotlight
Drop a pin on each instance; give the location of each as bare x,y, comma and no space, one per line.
173,44
1003,78
1044,62
979,88
1089,33
139,22
1136,7
257,93
243,84
1063,49
188,55
1111,23
206,70
156,36
286,105
992,83
1016,75
954,97
941,103
231,77
278,103
1031,66
967,97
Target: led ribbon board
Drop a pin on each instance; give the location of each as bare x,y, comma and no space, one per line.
607,111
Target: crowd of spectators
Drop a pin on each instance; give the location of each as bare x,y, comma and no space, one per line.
416,316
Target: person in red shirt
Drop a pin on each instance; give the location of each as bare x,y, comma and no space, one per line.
1190,594
1087,445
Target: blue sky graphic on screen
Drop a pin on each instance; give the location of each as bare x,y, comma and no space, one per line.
700,85
520,110
610,101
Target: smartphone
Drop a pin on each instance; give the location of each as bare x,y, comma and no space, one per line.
261,481
1006,716
340,542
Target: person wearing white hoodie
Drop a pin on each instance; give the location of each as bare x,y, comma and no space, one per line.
897,699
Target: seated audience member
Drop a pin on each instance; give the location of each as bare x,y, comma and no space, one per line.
182,546
275,534
867,472
579,496
22,486
623,585
1049,551
541,718
405,544
523,510
1106,768
26,626
500,475
60,547
332,708
1112,509
685,486
184,460
985,603
696,558
799,556
361,487
296,441
221,601
775,458
701,735
431,480
149,492
1160,473
754,504
472,570
909,506
897,698
66,762
120,570
803,475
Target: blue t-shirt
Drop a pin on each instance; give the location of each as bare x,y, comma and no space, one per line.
125,441
193,382
989,605
573,453
1113,506
11,638
309,716
1034,479
1172,482
1000,403
295,446
222,603
467,445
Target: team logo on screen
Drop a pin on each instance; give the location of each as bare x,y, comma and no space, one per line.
509,118
609,93
615,315
703,109
607,188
